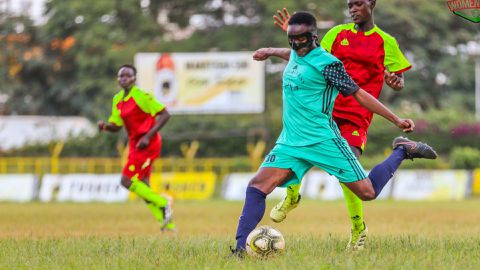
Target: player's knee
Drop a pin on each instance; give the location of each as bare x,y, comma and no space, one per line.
367,195
261,184
126,182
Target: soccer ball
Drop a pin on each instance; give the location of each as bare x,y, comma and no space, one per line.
265,241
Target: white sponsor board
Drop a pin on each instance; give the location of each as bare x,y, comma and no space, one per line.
18,187
321,185
217,82
315,185
82,188
430,185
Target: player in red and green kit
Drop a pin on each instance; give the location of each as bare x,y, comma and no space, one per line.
143,116
370,56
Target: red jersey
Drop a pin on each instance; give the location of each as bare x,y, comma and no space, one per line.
136,111
365,56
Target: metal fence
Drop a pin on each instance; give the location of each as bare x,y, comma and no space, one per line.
52,165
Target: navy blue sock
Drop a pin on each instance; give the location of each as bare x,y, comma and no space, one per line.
252,213
383,172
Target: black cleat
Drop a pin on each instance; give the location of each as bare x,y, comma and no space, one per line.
236,253
414,149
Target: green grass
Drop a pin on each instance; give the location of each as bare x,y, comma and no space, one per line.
413,235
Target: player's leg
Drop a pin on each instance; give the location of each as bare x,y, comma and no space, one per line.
354,204
258,188
278,168
358,232
164,215
135,177
369,188
356,138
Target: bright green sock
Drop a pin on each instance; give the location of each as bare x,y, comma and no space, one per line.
293,191
157,213
355,208
146,193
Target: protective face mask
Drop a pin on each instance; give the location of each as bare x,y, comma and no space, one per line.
300,45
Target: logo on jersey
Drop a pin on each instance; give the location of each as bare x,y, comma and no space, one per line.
355,133
131,168
469,10
344,42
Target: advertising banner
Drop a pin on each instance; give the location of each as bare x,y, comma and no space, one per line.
18,187
184,185
430,185
82,188
214,82
235,185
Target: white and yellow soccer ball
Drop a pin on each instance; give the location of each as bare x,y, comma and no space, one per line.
265,241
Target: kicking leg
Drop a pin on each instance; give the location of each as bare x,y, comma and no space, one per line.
369,188
258,188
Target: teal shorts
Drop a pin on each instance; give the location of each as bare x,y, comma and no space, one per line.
333,156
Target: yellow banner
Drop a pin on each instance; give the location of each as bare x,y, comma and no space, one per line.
476,182
184,185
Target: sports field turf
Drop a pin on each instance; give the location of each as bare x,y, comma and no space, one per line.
402,235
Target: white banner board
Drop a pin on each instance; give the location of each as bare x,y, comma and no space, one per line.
430,185
18,187
216,82
315,185
82,188
235,185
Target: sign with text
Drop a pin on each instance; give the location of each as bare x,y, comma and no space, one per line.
184,185
207,83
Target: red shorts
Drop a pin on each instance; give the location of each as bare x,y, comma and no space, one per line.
140,161
355,135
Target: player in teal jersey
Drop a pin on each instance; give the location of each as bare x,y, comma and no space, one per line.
371,57
311,81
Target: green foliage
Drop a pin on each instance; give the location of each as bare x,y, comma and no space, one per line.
43,76
442,129
465,157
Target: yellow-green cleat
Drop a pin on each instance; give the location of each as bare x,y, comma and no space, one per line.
357,239
279,212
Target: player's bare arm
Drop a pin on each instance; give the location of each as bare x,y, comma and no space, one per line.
161,120
369,102
102,126
264,53
394,81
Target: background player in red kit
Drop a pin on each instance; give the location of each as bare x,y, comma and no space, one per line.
370,56
143,116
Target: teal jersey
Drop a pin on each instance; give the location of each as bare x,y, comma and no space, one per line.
310,85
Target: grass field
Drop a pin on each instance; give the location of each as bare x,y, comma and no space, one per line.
413,235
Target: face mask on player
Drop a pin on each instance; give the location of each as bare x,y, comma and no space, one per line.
293,40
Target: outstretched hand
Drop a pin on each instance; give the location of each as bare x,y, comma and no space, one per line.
407,125
101,126
393,80
282,19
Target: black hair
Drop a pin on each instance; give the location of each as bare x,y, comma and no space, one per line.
130,67
303,17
